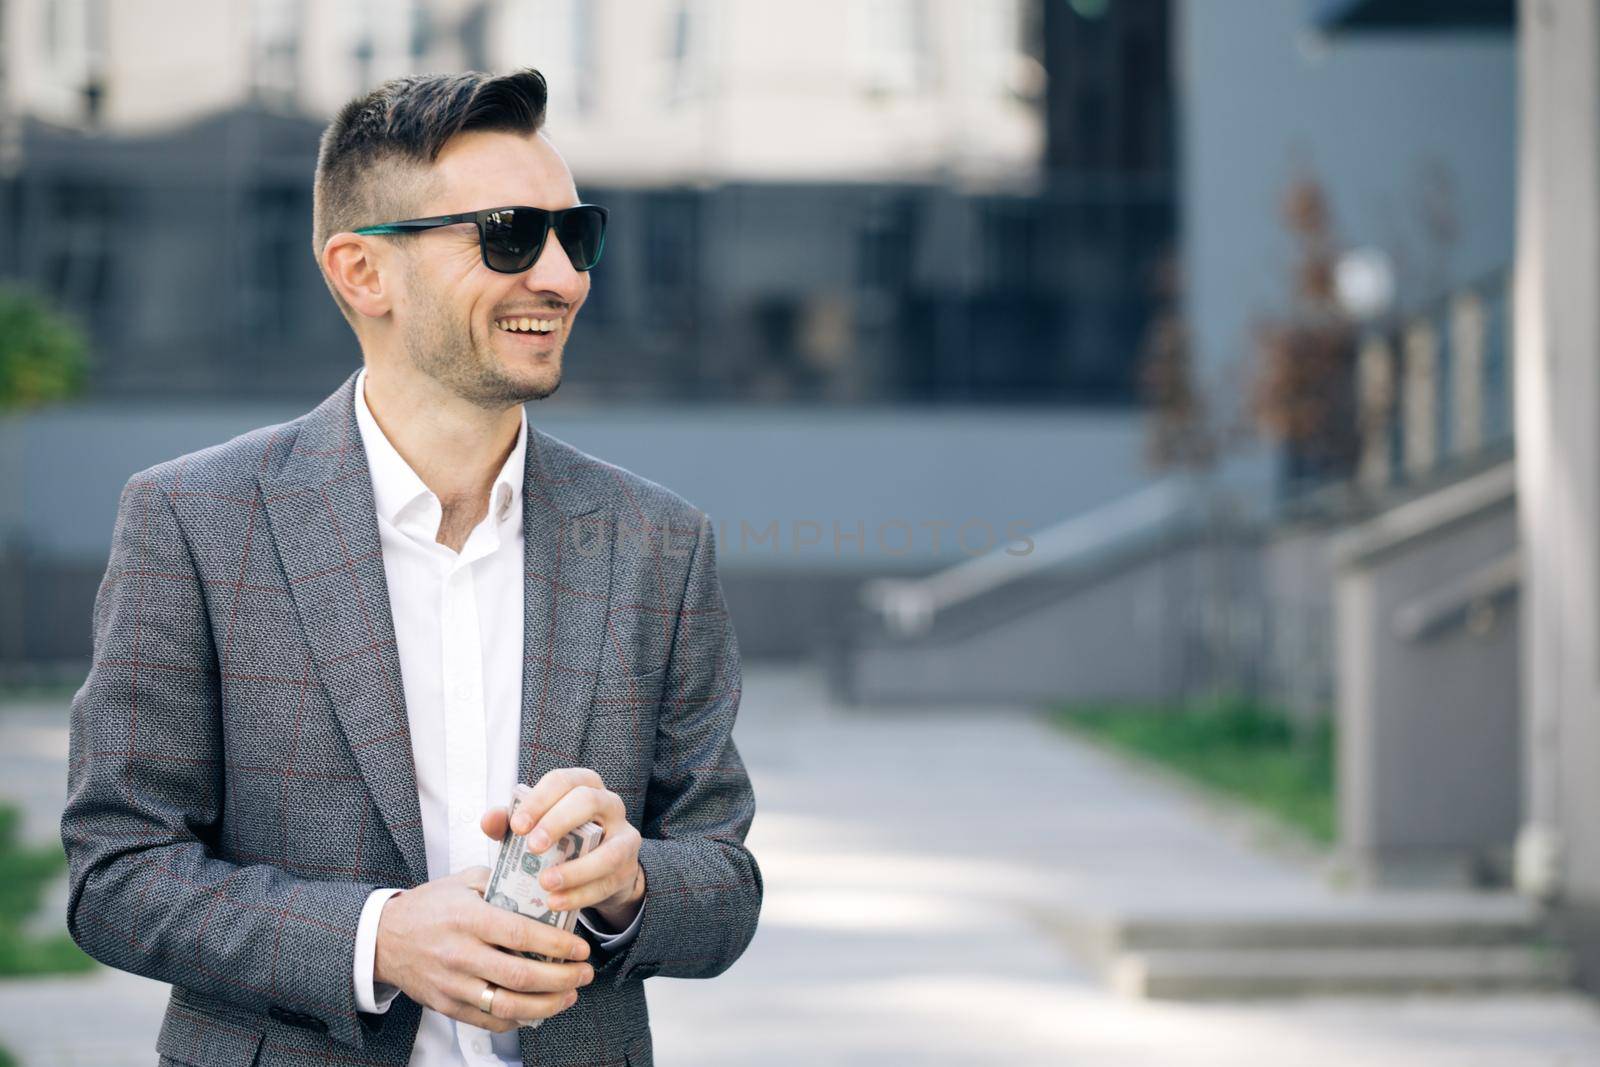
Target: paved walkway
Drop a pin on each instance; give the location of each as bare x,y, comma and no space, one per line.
904,854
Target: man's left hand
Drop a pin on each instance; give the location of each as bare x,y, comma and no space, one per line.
608,879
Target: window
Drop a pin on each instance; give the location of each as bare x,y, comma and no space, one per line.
77,256
556,37
692,50
275,51
382,39
993,34
273,267
671,245
884,244
890,42
74,52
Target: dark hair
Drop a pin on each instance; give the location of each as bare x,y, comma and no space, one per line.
373,159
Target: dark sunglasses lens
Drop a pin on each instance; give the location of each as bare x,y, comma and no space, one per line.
582,232
511,238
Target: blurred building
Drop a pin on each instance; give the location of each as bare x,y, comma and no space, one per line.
806,199
850,213
643,92
1465,572
1436,590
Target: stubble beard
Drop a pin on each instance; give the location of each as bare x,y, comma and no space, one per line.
440,344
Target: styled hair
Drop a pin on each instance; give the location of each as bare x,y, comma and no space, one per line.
374,158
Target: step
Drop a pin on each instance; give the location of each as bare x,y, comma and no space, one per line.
1377,921
1316,931
1233,974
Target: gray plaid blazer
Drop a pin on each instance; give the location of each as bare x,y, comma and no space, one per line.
240,774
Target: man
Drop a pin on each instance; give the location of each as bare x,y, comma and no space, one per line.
324,651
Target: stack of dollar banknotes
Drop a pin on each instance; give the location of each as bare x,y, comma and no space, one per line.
514,884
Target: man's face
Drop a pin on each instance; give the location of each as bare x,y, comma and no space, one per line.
451,306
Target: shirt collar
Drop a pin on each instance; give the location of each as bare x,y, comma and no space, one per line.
395,486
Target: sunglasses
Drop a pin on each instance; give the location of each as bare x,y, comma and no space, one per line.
511,238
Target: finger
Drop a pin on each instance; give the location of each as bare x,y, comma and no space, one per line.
509,1005
581,804
592,893
496,926
522,975
495,822
615,854
469,1013
526,1007
475,878
549,789
456,994
612,886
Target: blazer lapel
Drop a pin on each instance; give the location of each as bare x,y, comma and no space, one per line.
568,539
324,520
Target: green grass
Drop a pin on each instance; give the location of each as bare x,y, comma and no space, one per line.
25,872
6,1059
1236,747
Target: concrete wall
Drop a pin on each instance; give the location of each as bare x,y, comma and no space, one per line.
1558,459
1150,628
847,494
1429,733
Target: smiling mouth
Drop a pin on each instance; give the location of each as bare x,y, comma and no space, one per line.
533,326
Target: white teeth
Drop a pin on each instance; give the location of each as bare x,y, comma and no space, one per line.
528,325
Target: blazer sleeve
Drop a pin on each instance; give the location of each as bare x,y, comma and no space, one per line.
702,886
147,892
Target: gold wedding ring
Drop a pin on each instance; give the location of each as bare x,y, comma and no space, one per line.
486,998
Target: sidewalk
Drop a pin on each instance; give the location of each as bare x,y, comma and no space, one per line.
904,856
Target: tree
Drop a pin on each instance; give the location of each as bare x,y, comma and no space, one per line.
1304,388
43,353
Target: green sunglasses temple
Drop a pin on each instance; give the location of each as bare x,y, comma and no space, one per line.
435,221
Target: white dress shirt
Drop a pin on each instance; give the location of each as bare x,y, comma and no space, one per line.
458,631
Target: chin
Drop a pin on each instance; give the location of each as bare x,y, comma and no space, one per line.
541,383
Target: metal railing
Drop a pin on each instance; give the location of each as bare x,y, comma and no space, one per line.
1434,388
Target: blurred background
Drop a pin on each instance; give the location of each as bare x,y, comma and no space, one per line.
1153,446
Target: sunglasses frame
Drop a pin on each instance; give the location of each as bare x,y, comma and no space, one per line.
478,218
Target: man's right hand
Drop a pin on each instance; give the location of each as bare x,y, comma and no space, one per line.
440,943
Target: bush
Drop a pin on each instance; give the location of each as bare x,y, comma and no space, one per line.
43,354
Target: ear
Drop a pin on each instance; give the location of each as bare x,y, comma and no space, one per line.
357,271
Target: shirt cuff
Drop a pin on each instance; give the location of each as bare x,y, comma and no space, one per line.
371,996
610,941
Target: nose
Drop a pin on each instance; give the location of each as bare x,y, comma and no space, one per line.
553,272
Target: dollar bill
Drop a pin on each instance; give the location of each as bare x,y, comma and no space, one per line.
514,882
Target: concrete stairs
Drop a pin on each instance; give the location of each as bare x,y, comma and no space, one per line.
1373,944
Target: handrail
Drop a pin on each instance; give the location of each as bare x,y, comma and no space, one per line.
1425,516
1471,600
909,605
